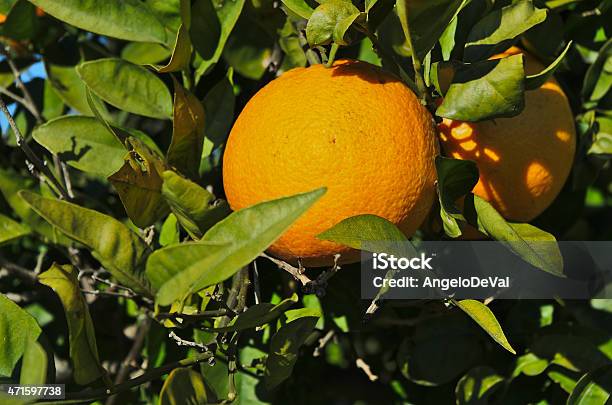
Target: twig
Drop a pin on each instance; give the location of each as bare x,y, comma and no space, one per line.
256,288
29,101
197,316
245,282
188,343
40,166
294,271
323,342
139,340
91,395
21,272
360,363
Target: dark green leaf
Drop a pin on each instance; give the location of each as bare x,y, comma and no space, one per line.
284,349
496,31
533,82
181,55
120,250
124,19
128,87
194,207
184,386
477,385
258,315
83,349
247,233
598,79
482,315
219,106
138,183
22,22
456,178
593,388
185,151
18,329
485,90
427,21
210,29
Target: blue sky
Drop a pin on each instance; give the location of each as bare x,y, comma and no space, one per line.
36,70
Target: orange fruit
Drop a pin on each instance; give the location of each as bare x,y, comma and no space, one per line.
353,128
2,18
525,160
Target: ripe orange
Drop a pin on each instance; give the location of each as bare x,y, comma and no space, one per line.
525,160
352,128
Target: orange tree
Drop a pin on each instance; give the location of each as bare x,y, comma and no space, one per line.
127,276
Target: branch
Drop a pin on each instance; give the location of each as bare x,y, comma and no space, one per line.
139,340
91,395
40,166
21,272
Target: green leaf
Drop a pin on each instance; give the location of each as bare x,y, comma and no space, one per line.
138,183
247,233
284,349
249,47
533,245
485,318
572,352
593,388
326,18
21,22
602,140
195,207
185,151
121,251
368,232
258,315
170,233
456,178
427,20
163,264
124,19
477,385
53,105
485,90
210,29
83,143
299,7
498,29
69,86
452,347
86,144
11,183
11,230
82,336
34,365
145,53
181,55
184,386
598,79
533,82
18,329
128,87
530,365
219,106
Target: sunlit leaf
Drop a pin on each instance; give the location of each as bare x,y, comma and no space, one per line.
11,230
120,250
83,349
326,17
184,386
486,319
124,19
18,329
477,385
247,233
34,365
128,87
